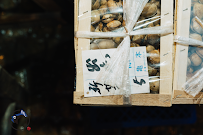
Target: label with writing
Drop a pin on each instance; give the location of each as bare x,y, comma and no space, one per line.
95,60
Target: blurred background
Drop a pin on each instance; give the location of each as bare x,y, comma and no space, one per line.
37,74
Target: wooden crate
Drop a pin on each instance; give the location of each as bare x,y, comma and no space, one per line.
165,93
182,28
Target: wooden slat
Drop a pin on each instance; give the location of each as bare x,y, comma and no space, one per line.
83,44
183,23
107,100
183,94
187,101
137,99
166,49
151,100
175,33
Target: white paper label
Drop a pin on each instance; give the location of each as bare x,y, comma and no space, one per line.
94,61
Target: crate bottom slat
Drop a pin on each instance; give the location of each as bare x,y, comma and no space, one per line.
137,99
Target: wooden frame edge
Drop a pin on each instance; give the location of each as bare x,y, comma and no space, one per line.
163,100
183,21
166,49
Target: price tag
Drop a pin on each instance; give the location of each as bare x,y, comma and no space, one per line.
95,60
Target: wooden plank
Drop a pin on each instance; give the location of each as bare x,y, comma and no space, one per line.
107,100
166,49
83,44
183,94
187,101
151,100
183,23
137,99
48,5
175,33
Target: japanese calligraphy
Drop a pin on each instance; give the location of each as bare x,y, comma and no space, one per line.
107,56
130,64
95,88
139,68
108,87
138,54
139,83
94,67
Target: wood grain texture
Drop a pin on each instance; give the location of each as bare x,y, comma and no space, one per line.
187,101
183,23
183,94
137,99
175,33
83,44
166,49
151,100
181,97
107,100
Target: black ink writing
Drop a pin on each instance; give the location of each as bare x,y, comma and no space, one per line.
107,56
103,64
142,81
166,14
185,9
165,54
95,87
182,50
108,87
92,67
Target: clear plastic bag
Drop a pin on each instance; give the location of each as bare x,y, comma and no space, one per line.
123,24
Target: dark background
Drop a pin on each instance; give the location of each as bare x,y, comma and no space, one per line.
37,50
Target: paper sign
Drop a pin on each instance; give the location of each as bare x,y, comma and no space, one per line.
95,60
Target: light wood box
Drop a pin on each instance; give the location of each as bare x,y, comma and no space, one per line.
182,28
162,99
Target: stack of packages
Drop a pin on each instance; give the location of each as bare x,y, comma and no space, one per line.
124,52
188,73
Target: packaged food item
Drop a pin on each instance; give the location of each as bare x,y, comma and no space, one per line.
124,52
188,62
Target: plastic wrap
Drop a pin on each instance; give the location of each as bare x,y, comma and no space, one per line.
123,24
192,83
